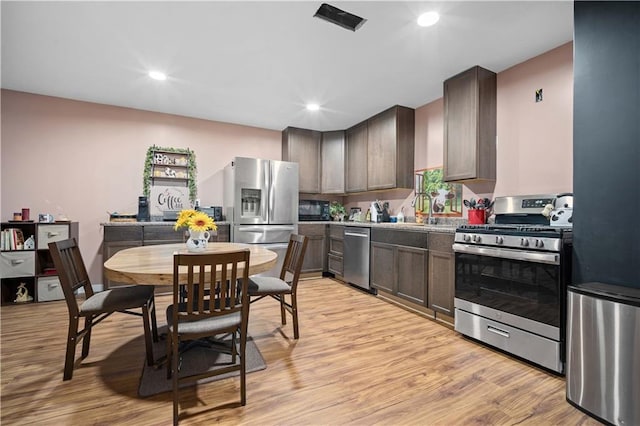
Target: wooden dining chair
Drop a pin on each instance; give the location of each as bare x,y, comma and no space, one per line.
213,306
97,305
287,284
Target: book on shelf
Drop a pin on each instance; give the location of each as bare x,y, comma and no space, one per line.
12,239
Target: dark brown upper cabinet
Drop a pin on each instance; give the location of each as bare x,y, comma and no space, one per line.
356,158
303,146
390,149
470,126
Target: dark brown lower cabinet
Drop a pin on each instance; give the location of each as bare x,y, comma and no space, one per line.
399,264
441,273
314,258
123,236
335,252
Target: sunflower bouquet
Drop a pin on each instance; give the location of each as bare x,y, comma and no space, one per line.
195,221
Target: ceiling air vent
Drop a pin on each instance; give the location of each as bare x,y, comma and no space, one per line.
339,17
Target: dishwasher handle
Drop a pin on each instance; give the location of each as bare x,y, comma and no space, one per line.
352,234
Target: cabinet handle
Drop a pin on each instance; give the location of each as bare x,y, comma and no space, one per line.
15,262
52,234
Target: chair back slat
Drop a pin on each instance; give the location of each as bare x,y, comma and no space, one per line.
208,295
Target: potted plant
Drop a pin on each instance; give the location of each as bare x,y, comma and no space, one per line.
337,211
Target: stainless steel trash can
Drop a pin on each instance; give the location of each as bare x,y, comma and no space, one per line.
603,351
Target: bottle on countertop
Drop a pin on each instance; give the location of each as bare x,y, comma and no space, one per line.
400,216
368,217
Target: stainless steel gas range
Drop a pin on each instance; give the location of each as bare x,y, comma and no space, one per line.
511,280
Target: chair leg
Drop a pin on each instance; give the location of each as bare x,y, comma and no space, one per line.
147,334
243,368
294,313
169,354
88,323
154,321
71,349
174,376
282,309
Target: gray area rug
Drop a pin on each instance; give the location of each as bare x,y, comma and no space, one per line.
195,360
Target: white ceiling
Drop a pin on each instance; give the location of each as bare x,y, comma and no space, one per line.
259,63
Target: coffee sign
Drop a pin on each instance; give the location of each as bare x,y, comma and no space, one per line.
168,198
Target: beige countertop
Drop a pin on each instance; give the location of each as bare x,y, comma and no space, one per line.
160,223
410,226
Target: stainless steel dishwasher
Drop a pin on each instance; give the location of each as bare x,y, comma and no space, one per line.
356,256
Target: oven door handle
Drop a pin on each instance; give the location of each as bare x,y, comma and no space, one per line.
524,255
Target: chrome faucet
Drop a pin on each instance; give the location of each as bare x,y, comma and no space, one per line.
430,220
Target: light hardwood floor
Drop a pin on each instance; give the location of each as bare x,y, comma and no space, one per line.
359,360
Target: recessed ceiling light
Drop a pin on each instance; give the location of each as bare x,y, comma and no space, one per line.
313,107
429,18
157,75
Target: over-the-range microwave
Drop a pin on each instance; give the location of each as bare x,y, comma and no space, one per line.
313,210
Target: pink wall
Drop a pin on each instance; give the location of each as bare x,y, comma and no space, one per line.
535,140
83,160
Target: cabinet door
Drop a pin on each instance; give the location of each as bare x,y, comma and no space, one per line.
441,273
382,267
470,126
381,155
441,282
302,146
314,258
333,162
411,273
356,158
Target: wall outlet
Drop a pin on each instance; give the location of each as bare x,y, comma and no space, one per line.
539,95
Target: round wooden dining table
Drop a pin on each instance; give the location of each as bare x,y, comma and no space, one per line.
153,264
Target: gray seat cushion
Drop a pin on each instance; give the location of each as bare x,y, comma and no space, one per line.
117,299
267,285
207,325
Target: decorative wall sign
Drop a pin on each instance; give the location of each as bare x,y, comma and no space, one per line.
168,198
446,198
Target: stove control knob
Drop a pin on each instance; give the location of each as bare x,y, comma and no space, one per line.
524,242
476,238
539,243
466,237
499,239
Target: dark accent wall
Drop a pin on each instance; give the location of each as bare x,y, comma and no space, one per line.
606,142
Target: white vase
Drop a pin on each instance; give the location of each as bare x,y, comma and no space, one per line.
197,240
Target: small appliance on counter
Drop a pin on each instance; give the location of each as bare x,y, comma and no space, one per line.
313,210
214,212
143,209
380,212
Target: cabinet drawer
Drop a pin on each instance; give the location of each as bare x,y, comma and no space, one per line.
123,233
335,264
50,233
441,242
311,229
336,231
162,233
49,288
17,264
336,246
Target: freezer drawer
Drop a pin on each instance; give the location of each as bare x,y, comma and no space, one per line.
603,347
537,349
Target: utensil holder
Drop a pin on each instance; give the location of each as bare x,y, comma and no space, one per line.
477,217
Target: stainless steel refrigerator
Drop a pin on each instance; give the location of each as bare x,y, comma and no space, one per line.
261,202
